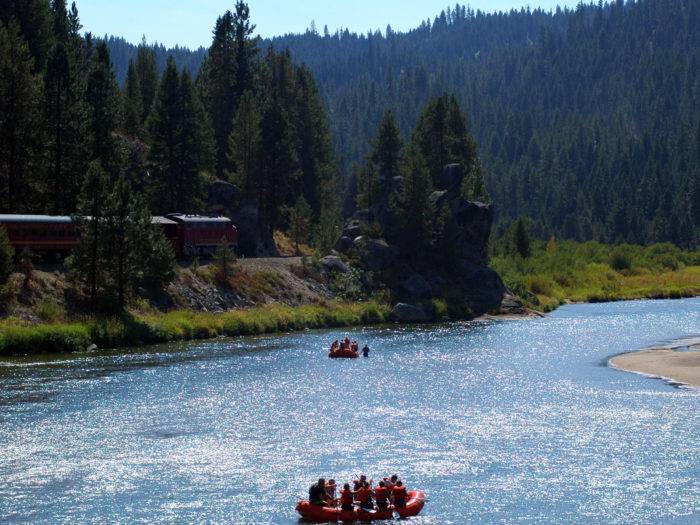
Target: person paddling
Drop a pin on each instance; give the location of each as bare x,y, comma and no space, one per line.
317,493
358,483
364,497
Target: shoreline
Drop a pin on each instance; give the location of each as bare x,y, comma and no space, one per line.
677,363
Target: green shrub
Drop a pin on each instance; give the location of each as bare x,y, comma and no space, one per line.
541,285
50,312
621,260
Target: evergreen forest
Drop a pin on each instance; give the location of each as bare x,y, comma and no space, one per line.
587,118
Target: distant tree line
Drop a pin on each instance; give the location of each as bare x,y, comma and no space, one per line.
588,116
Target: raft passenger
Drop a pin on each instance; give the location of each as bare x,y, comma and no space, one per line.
400,495
381,496
346,498
364,497
317,491
391,482
330,490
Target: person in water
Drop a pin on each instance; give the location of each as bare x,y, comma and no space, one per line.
346,498
400,495
381,496
365,351
317,493
364,497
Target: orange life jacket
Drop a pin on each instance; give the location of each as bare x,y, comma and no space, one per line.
399,493
382,494
364,495
346,497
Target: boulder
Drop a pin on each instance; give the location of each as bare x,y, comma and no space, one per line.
407,313
353,229
416,287
484,289
334,264
375,254
343,244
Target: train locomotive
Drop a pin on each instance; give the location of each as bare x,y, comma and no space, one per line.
189,235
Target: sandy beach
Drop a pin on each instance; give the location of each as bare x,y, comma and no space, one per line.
679,362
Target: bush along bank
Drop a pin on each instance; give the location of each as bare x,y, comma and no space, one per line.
17,339
553,273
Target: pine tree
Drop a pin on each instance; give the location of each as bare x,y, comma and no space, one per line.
278,164
415,209
369,189
88,258
195,145
299,222
314,150
34,20
20,128
181,144
164,129
102,100
386,154
225,258
217,84
244,145
132,108
522,243
246,50
7,255
127,224
147,75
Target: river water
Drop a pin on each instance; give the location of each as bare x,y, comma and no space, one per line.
500,422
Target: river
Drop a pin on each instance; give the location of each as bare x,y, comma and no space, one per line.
500,422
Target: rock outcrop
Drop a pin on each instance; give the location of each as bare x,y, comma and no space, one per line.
226,199
467,227
375,254
408,313
334,263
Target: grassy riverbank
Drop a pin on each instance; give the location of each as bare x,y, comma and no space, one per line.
592,272
17,338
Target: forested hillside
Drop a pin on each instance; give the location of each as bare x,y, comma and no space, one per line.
75,142
587,119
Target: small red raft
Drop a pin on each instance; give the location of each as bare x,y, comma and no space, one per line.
415,503
343,354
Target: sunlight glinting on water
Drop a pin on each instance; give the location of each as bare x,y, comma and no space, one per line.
505,422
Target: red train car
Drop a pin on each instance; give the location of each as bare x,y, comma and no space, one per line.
42,234
202,235
189,235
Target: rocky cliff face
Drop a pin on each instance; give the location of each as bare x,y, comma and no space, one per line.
226,199
468,228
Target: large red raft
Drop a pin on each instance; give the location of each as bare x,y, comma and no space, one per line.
415,503
343,354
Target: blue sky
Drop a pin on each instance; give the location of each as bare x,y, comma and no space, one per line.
189,22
